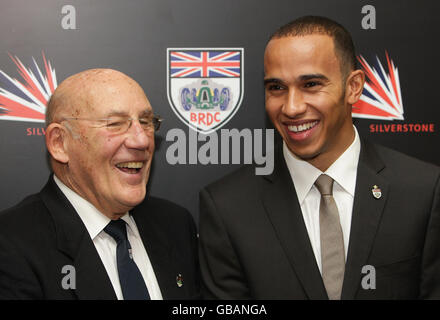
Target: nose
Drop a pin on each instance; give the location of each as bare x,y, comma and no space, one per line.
294,104
138,138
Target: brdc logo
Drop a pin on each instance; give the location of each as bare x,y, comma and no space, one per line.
205,85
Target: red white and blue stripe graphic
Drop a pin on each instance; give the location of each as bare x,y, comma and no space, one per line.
26,100
381,97
205,64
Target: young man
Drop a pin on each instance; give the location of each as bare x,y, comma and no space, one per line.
336,208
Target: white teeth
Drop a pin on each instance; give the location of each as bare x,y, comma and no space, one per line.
130,165
302,127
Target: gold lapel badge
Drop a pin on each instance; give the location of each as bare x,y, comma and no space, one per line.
179,280
377,193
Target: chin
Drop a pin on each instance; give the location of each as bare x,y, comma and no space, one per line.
133,198
303,153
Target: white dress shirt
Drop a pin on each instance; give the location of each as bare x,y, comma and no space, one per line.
343,171
95,222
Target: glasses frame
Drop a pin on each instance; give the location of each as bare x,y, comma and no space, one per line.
156,121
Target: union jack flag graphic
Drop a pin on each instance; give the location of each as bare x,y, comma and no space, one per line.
381,97
26,101
205,64
205,86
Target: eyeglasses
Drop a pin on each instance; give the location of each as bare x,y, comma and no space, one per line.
120,124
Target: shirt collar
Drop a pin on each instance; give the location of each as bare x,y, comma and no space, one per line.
128,218
93,219
343,170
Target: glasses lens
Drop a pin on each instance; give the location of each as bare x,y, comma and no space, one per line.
117,125
121,125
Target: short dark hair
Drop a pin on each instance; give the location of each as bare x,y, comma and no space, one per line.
308,25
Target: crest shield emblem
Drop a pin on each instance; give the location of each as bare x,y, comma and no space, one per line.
205,85
377,193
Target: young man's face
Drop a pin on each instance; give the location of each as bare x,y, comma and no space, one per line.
305,97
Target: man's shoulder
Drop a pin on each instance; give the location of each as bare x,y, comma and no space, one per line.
398,161
27,225
404,170
26,211
243,175
160,216
153,202
247,181
236,186
161,209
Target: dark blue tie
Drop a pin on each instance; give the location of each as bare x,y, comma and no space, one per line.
132,284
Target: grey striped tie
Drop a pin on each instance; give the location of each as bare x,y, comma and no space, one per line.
332,241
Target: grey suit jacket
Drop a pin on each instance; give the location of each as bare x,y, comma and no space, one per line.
254,243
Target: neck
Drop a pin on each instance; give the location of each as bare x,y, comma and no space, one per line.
326,158
71,183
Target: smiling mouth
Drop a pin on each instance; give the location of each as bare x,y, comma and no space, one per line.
132,167
302,127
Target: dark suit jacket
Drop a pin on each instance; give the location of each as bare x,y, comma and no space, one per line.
43,233
254,243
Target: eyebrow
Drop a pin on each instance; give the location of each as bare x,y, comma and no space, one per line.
144,113
272,80
304,77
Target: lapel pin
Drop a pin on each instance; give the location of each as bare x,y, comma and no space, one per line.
377,193
179,280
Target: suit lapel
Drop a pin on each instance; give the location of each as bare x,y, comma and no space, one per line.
282,207
367,212
92,281
160,254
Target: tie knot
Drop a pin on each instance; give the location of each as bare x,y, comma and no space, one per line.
117,229
324,183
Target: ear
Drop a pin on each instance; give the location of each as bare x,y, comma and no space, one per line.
354,86
56,136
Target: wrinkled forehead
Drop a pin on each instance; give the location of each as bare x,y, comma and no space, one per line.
99,93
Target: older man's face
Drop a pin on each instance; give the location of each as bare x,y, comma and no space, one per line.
109,169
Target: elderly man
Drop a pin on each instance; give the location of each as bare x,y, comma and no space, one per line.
91,233
339,218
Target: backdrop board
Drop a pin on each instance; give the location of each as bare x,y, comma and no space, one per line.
155,42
